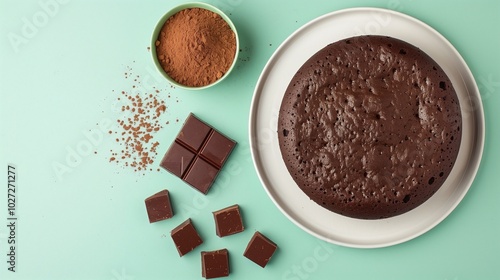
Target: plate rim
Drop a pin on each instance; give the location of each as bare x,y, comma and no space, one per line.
479,138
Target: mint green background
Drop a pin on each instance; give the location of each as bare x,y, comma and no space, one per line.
93,224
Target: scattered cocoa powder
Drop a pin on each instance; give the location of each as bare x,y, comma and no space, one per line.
196,47
140,118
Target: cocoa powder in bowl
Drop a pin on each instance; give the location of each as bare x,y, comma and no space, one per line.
196,47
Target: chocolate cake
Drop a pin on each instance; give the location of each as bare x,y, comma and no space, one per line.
370,127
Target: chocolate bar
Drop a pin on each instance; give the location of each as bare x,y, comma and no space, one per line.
197,154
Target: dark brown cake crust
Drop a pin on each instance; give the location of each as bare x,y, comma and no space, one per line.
370,127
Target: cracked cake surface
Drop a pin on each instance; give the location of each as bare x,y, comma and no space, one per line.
369,127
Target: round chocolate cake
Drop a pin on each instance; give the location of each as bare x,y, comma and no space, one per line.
370,127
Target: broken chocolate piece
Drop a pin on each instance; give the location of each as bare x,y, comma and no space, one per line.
215,264
185,237
197,154
228,221
260,249
158,206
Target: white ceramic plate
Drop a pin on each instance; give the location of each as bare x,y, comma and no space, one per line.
266,154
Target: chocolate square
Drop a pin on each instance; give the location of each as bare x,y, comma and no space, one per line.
260,249
228,221
215,264
177,159
217,148
158,206
197,154
193,133
201,175
185,237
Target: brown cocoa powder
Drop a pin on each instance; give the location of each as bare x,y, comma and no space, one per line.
196,47
140,119
136,131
